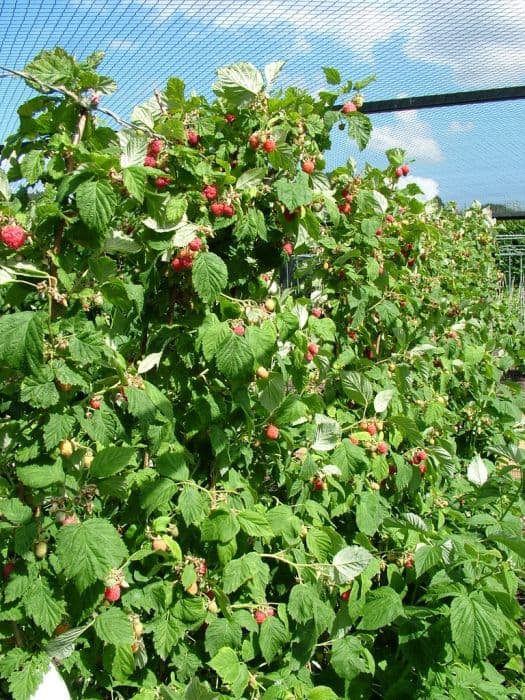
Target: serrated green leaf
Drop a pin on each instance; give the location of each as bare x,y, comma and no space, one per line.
254,524
370,512
475,626
327,433
114,627
5,189
194,504
332,75
42,476
349,658
231,671
32,166
234,357
349,563
272,638
294,194
42,606
111,460
15,511
89,550
134,179
23,683
220,633
238,83
382,607
96,202
21,339
359,129
357,387
209,276
134,148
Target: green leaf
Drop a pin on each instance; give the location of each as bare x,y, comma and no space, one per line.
349,658
111,460
96,202
235,357
194,504
119,661
382,400
251,179
272,638
209,276
42,606
134,148
63,646
294,194
134,179
475,626
5,189
57,428
114,627
238,83
407,427
42,476
427,557
21,339
15,511
322,692
370,512
167,631
359,129
272,396
514,543
249,567
254,524
231,671
24,682
89,550
357,387
332,75
382,607
349,563
327,433
220,633
32,166
40,391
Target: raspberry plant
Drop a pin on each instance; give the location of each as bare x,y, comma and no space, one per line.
214,487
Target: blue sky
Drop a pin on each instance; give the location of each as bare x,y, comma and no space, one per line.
414,47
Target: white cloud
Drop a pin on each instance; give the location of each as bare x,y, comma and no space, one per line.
122,44
412,134
457,127
429,186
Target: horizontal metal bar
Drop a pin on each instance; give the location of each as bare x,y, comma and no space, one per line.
510,216
447,99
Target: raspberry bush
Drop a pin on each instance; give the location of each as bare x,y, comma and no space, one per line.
213,485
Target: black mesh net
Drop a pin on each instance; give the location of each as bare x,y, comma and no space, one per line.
416,48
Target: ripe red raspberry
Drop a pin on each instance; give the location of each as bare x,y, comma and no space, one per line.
317,312
13,236
399,172
392,469
95,403
406,169
230,118
150,161
289,215
345,595
382,448
186,260
379,232
272,432
354,440
176,264
369,353
313,348
155,147
163,181
112,593
269,145
260,616
345,208
70,520
202,568
238,329
352,334
7,570
288,248
217,208
320,485
371,429
422,468
349,107
419,456
195,244
210,192
254,141
228,210
193,138
409,561
390,218
308,357
308,167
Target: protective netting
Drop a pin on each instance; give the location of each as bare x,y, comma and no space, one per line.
416,48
